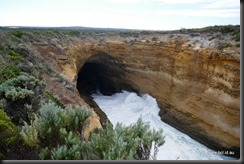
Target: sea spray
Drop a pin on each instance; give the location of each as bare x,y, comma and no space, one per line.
127,107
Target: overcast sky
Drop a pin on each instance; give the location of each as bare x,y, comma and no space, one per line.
133,14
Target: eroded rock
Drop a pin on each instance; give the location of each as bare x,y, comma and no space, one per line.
196,84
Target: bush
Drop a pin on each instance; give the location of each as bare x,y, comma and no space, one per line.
30,135
124,143
237,38
8,135
227,29
155,39
20,87
8,71
20,97
14,56
18,33
58,132
225,45
52,119
70,151
49,96
54,126
73,33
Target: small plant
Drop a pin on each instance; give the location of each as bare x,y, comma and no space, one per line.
18,88
124,143
222,46
227,29
19,97
49,32
237,38
49,96
14,56
58,132
73,33
155,39
30,136
18,33
8,71
59,129
236,32
8,133
70,151
212,38
161,43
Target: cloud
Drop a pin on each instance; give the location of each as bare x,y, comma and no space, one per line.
176,1
226,13
222,4
201,3
157,1
209,4
146,14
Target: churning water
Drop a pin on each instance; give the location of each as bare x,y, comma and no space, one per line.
127,107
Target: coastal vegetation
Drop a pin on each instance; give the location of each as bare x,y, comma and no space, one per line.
36,124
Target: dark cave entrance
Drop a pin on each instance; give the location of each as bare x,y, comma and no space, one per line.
104,73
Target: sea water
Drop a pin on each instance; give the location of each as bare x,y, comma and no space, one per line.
127,107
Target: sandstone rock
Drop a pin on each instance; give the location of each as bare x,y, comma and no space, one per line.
196,84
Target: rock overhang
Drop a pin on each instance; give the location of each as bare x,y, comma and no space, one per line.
178,72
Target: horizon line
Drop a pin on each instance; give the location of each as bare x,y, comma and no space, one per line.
92,27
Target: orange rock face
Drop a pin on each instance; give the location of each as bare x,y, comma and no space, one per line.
196,83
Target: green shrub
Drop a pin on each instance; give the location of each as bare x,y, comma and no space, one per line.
211,38
237,38
8,71
30,135
227,29
16,93
18,33
236,32
49,32
123,143
70,151
52,118
18,88
57,132
55,126
8,133
49,96
73,33
1,47
225,45
14,56
155,39
20,97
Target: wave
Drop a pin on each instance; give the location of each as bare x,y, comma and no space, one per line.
126,107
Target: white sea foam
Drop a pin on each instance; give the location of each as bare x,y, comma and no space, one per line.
127,107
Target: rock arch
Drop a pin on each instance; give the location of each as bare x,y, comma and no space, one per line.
104,73
190,98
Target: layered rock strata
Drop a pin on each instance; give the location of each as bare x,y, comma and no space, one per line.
195,81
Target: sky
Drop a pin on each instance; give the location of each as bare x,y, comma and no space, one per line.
130,14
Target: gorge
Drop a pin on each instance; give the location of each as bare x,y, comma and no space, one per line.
195,84
194,75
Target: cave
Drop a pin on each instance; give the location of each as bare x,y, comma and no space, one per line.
104,73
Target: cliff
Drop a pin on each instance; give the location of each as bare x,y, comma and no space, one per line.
193,74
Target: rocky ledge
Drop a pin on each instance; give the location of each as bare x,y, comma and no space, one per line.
194,74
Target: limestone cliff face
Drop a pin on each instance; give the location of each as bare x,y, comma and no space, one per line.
195,79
